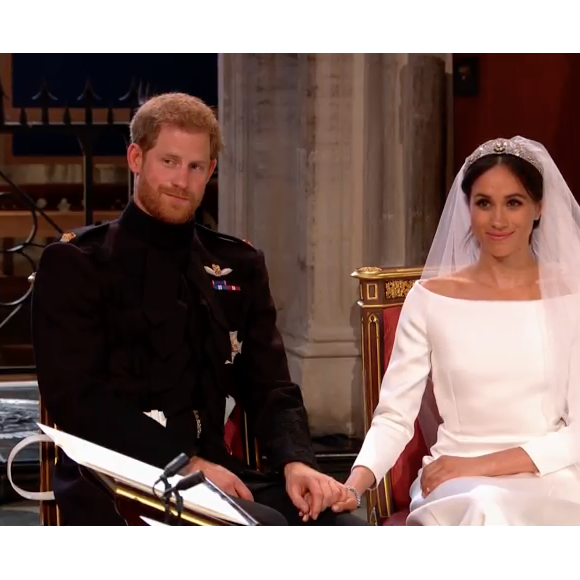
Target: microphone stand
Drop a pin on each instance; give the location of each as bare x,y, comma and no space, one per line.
166,499
167,506
171,469
187,482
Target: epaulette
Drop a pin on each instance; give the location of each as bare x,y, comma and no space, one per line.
85,232
225,237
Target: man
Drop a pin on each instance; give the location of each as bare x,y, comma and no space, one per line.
143,326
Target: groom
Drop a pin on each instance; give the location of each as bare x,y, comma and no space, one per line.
152,315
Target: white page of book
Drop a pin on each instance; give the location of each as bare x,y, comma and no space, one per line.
138,474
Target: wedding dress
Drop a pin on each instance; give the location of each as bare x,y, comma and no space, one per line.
492,393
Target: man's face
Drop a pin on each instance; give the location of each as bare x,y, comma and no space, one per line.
170,178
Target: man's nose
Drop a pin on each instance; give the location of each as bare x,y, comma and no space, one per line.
179,178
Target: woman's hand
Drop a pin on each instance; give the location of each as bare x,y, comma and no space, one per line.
446,467
361,479
349,504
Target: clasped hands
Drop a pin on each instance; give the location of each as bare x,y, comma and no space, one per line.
311,492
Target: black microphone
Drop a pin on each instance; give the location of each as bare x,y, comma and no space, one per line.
175,465
189,481
172,468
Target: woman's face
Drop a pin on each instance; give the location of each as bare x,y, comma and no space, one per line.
502,213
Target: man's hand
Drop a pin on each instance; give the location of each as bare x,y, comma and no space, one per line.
310,491
347,505
224,479
446,467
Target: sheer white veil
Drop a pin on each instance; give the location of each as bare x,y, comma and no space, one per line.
555,243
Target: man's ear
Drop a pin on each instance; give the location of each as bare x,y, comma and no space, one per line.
135,158
211,168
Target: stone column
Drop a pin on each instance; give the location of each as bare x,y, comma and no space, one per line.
333,161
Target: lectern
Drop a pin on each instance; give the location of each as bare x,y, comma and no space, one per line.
143,494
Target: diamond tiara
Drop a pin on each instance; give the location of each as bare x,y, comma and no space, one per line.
504,147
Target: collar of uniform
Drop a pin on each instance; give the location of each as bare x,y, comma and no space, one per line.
153,232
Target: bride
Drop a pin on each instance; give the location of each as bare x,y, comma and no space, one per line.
495,320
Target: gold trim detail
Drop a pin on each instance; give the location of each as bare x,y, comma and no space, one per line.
67,237
379,289
398,288
372,291
375,273
197,520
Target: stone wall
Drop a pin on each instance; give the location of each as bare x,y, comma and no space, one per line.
333,161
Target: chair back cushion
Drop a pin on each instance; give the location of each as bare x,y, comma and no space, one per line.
234,433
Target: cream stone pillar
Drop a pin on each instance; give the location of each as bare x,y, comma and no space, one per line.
332,161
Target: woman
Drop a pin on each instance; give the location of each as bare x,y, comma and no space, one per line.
495,319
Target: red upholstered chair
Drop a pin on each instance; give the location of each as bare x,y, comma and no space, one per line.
238,440
382,293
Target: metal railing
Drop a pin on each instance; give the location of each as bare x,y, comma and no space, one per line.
87,132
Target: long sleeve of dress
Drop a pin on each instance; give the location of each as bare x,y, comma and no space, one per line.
561,449
402,389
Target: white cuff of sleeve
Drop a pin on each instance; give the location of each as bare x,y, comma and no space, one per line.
551,452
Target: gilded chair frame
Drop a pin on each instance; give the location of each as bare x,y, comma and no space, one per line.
379,288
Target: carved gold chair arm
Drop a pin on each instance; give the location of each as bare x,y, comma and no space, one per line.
379,290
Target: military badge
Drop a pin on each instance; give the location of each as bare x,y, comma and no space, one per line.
223,285
215,270
67,237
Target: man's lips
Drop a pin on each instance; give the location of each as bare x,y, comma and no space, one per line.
175,196
498,237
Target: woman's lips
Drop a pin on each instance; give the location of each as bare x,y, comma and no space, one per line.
499,237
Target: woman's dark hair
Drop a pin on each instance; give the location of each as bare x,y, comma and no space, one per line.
528,175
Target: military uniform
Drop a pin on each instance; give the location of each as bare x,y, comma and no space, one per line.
135,316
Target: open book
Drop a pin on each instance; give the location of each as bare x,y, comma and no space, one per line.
202,498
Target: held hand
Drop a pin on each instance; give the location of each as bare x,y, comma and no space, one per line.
445,468
224,479
310,491
361,479
347,505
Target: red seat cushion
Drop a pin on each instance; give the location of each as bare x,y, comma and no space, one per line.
397,519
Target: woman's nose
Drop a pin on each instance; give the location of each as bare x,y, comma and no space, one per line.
498,220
